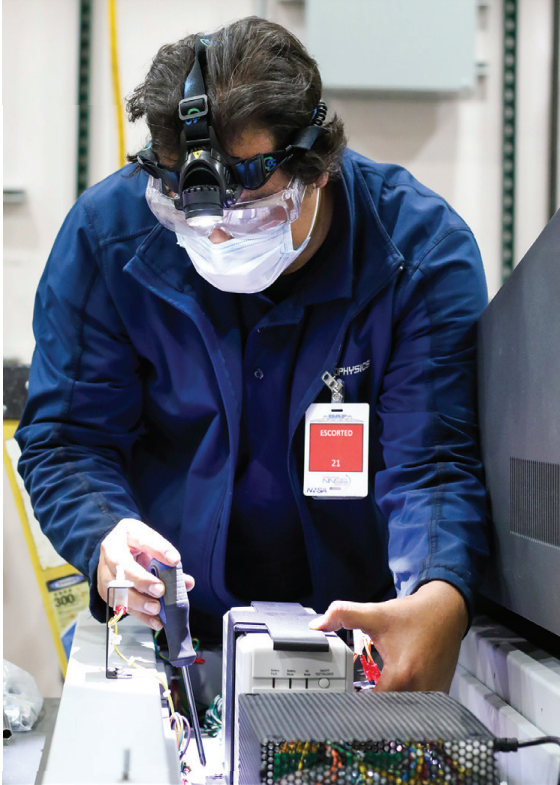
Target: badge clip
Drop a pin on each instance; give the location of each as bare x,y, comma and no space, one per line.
336,386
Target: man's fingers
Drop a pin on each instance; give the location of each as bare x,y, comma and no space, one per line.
411,677
132,545
351,615
189,582
113,553
142,538
392,680
126,538
115,550
104,575
144,561
150,621
142,603
141,606
144,581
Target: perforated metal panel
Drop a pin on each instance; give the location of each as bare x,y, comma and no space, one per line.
412,738
535,500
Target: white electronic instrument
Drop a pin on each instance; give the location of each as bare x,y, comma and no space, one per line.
269,647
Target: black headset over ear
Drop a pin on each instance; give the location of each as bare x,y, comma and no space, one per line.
208,180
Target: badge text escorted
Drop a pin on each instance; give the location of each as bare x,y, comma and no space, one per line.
336,449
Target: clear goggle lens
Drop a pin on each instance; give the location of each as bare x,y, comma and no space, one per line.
241,220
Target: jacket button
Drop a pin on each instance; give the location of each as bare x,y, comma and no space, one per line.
258,373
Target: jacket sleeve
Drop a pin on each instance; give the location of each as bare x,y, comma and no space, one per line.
431,490
84,407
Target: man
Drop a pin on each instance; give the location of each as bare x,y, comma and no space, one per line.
175,364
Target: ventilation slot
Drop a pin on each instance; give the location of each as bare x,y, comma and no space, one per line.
535,500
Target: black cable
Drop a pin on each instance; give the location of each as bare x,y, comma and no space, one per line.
512,745
541,740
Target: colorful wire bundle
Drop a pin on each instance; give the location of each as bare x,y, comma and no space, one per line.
183,730
367,763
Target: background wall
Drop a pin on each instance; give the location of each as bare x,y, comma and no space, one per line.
452,144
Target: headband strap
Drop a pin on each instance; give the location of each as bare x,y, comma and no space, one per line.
193,108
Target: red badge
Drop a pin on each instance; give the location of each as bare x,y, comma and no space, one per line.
336,447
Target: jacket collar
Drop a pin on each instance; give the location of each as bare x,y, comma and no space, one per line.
364,252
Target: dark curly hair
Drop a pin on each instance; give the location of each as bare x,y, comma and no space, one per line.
258,75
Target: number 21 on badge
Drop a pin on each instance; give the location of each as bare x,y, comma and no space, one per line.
336,450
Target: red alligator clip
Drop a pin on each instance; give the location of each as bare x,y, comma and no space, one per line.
371,671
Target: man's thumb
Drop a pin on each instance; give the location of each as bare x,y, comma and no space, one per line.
350,615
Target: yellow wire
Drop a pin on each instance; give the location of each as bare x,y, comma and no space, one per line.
112,13
132,663
174,716
113,622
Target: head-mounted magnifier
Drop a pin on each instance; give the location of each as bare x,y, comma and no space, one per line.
206,180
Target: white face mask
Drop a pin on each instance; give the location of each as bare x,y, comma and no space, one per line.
245,265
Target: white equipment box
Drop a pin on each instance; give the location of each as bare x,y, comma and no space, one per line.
111,730
269,647
259,668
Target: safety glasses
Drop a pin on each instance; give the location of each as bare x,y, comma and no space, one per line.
242,220
251,173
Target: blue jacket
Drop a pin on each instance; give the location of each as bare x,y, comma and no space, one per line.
136,388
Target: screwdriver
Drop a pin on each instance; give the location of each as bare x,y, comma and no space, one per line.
174,614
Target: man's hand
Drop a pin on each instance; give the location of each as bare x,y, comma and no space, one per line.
132,544
418,636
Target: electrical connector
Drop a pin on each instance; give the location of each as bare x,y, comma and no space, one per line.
120,597
371,670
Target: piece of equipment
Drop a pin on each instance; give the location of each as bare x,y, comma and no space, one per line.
269,648
519,413
111,732
174,614
411,738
